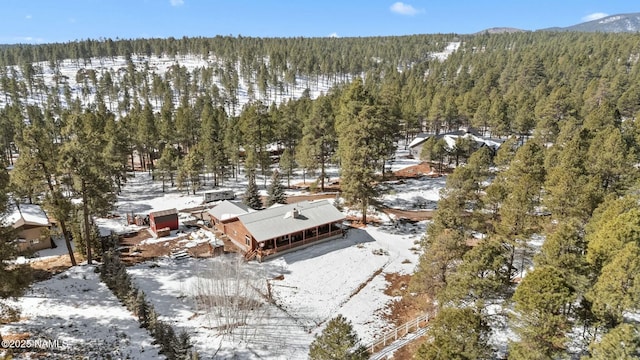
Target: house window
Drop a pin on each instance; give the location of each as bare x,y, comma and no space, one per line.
247,240
34,241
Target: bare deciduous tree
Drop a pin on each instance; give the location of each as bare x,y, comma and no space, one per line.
230,296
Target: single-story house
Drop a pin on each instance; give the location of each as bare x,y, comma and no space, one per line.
31,224
160,220
279,228
415,146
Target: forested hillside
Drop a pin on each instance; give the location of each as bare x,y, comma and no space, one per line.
541,237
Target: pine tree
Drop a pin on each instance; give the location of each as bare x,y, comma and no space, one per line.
480,276
620,343
434,150
257,132
251,196
146,134
564,249
81,157
37,166
13,279
318,141
287,162
168,342
167,165
182,346
570,191
356,127
617,289
275,191
456,333
116,151
142,310
212,146
338,341
191,168
542,301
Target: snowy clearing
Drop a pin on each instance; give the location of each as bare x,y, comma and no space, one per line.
288,299
308,287
80,312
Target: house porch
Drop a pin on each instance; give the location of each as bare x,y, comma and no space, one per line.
298,240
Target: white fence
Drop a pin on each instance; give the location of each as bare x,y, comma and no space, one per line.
391,336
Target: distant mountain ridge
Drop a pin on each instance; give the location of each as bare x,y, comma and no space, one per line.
501,30
620,23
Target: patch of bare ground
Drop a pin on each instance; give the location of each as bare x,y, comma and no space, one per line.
333,185
44,269
415,171
16,336
412,215
356,221
135,250
311,197
405,309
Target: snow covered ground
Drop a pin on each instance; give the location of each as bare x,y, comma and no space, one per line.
448,50
82,314
308,287
71,71
414,194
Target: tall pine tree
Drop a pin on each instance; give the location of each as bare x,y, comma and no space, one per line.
356,147
251,197
275,191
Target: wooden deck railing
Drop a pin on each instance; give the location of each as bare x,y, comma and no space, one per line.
309,240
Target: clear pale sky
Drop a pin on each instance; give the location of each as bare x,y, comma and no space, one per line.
46,21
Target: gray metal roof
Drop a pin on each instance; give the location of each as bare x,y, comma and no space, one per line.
229,209
278,221
160,213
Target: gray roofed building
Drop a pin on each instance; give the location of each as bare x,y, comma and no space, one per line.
287,219
229,210
260,234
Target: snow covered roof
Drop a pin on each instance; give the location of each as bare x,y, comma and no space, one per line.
419,139
278,221
451,137
160,213
26,214
229,209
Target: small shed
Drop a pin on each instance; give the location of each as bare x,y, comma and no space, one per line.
159,220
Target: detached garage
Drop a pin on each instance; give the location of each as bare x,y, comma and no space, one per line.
162,220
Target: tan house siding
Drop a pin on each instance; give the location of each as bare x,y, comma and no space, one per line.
31,238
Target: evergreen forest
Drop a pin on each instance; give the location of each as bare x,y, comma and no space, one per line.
541,238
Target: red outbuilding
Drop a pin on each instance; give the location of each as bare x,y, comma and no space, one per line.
160,220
